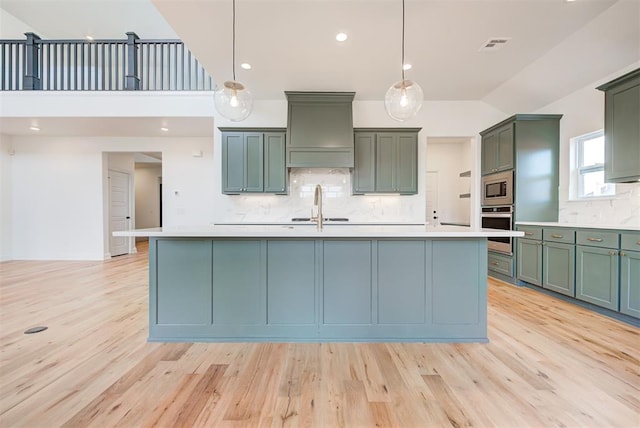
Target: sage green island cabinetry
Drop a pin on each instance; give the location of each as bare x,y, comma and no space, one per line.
386,160
597,267
320,129
296,283
253,160
630,274
622,128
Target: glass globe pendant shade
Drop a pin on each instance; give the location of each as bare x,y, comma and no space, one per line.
233,101
403,100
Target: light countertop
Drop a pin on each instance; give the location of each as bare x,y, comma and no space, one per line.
310,231
578,225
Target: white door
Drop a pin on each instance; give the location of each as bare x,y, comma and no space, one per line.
119,212
432,198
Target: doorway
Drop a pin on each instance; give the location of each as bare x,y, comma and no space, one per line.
119,211
450,181
431,195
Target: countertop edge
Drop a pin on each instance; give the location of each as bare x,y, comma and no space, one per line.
579,225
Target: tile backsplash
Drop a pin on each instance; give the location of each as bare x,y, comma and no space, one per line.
623,210
337,202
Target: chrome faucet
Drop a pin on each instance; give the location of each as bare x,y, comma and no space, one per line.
317,201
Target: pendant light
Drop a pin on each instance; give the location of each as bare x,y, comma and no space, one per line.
233,100
404,98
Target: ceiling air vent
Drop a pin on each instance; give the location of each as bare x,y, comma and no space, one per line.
494,44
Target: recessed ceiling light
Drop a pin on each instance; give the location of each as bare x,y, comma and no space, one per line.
34,128
341,37
407,67
246,66
164,129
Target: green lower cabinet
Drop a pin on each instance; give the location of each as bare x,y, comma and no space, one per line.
597,276
347,282
190,302
630,283
529,261
291,282
559,268
238,275
500,263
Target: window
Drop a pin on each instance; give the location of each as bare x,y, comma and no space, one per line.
590,167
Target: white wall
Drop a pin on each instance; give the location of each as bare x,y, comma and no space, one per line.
583,112
59,185
147,179
6,214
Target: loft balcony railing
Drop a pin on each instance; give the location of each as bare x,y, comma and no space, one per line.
100,65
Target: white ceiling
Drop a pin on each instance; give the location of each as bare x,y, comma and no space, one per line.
556,47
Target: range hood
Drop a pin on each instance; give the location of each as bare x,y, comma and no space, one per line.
320,129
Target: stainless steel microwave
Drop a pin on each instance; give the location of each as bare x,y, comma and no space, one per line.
497,189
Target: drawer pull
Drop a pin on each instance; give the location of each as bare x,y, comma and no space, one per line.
613,253
594,239
556,236
638,243
531,233
495,263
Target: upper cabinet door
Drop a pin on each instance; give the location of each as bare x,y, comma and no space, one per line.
254,162
497,150
275,172
233,163
386,162
505,148
364,171
407,164
489,153
622,131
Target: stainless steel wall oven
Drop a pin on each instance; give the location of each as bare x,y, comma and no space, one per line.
498,217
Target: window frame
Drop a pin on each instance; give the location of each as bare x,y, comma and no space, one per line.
581,171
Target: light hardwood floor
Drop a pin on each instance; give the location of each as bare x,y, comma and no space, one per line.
548,363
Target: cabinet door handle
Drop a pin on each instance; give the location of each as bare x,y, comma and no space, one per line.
556,236
594,239
622,253
613,253
528,233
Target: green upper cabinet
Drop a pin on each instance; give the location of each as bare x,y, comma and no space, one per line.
530,145
275,170
386,161
497,150
622,128
253,161
364,170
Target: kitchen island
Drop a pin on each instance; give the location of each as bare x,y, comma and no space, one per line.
297,283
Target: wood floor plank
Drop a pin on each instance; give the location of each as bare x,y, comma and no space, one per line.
548,363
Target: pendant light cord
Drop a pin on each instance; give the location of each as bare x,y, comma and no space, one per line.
402,41
233,55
